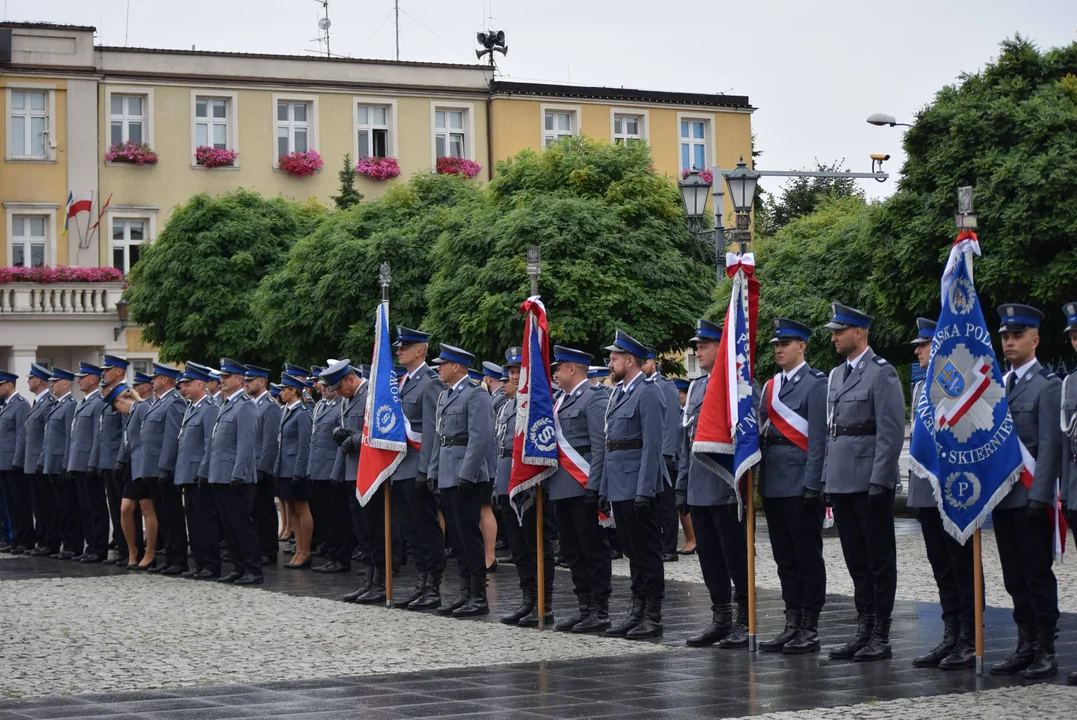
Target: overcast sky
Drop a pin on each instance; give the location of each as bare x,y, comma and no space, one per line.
815,70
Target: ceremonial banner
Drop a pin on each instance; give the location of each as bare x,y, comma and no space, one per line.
963,437
727,436
534,446
384,438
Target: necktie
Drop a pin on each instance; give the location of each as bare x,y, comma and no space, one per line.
848,371
1010,382
781,383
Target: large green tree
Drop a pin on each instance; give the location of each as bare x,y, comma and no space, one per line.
615,254
192,288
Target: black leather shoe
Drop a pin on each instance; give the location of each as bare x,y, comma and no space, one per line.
173,570
1071,679
191,572
1020,659
598,619
527,605
18,550
250,578
807,637
531,619
865,625
121,562
374,594
792,627
369,579
205,574
402,602
91,559
1045,665
476,603
670,557
582,613
461,599
270,560
635,616
738,636
943,649
158,566
963,656
651,624
230,577
298,566
65,555
40,551
616,554
878,647
431,597
78,558
333,567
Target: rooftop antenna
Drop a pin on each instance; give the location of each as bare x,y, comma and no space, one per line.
396,19
323,25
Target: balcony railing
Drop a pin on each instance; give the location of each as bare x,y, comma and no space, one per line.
60,298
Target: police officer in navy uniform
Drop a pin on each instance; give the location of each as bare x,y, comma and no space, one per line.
1023,528
13,412
54,463
203,523
459,463
581,418
791,483
137,510
213,387
160,441
327,497
866,414
951,562
632,480
1069,439
667,505
492,373
293,457
106,448
92,506
712,503
230,468
256,380
45,517
419,391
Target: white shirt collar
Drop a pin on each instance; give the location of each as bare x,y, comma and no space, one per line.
260,396
1021,371
170,391
200,401
792,373
40,395
856,361
65,396
628,388
460,383
410,375
581,384
95,392
292,406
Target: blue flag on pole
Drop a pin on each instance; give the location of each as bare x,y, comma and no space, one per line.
385,442
963,437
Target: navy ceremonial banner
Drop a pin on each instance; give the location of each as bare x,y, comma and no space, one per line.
384,436
963,437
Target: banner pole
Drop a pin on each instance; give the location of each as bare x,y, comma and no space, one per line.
978,595
386,487
749,502
534,266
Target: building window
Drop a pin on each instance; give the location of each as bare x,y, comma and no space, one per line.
127,119
627,129
127,239
559,124
373,128
28,124
693,144
212,122
142,365
449,133
29,238
293,127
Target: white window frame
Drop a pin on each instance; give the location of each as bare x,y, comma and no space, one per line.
233,121
50,136
709,146
469,128
390,103
577,121
147,111
312,122
644,121
32,208
147,232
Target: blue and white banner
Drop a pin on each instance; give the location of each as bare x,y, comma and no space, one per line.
963,437
385,442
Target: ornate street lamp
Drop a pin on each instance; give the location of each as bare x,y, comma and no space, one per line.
742,183
121,315
695,187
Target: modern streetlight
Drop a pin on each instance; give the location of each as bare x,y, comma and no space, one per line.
881,119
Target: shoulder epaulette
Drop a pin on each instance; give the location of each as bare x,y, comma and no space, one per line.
816,373
1046,372
880,361
431,372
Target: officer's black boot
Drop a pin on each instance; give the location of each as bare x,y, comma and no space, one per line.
376,593
1071,679
431,597
476,603
367,582
532,618
807,637
964,653
527,605
721,625
944,648
1022,657
1045,665
792,627
635,615
651,624
738,636
865,625
597,619
582,613
878,647
461,599
414,595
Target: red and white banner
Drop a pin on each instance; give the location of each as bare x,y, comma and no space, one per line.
572,462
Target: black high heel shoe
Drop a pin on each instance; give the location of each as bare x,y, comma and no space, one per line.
300,566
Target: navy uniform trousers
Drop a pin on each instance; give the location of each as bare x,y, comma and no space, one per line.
721,541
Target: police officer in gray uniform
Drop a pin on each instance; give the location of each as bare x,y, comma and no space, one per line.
92,506
1069,439
13,481
137,510
203,524
459,463
45,520
256,380
54,462
793,440
231,471
326,495
290,468
574,490
667,505
106,447
866,416
1023,527
419,391
951,562
492,373
632,480
712,503
160,440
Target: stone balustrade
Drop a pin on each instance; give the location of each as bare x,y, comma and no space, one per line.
60,298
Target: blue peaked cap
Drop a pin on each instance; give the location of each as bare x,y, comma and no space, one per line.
474,374
141,377
292,381
706,331
1070,310
86,368
514,357
786,329
1017,317
335,373
562,354
253,371
598,371
682,384
925,330
166,370
115,361
406,336
114,393
454,354
492,370
296,370
6,377
625,343
61,374
40,372
274,389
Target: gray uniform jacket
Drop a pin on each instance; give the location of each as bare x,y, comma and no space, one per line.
872,396
1069,442
194,435
131,449
1035,404
35,430
419,401
505,431
497,399
702,484
83,432
160,436
57,430
269,414
293,442
323,450
920,492
582,415
352,418
13,432
231,448
786,469
672,399
106,447
464,416
637,417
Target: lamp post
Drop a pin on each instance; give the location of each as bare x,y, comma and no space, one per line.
121,315
882,119
742,183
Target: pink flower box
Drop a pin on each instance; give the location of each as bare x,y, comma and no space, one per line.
706,175
210,157
301,164
375,168
458,166
131,154
59,274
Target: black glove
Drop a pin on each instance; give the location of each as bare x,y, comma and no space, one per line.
877,496
1037,513
495,502
465,488
681,501
203,482
39,470
812,500
348,446
164,477
421,481
261,476
121,466
591,498
604,506
340,435
643,504
17,468
236,481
